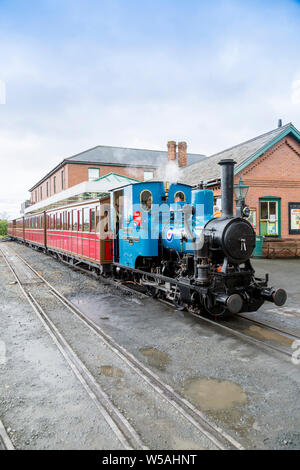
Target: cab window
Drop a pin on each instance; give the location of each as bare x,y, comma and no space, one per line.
179,196
146,200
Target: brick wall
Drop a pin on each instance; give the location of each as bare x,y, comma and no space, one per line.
77,173
36,195
275,174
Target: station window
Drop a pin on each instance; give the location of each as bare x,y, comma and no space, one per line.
146,200
269,219
62,179
94,173
47,189
54,184
148,175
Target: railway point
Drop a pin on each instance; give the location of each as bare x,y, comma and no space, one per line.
149,230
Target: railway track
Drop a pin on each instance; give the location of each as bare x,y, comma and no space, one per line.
220,438
236,332
114,418
5,442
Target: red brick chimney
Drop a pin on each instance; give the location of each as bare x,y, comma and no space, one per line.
171,150
182,155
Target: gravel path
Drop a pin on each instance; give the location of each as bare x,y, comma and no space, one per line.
252,393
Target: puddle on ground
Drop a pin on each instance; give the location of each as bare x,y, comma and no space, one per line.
155,358
260,333
238,421
212,394
111,371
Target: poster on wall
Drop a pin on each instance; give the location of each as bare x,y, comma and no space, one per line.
294,217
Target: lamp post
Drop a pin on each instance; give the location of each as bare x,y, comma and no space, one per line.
240,191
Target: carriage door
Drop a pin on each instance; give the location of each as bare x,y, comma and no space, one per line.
117,221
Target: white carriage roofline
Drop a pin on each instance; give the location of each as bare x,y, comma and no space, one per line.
81,192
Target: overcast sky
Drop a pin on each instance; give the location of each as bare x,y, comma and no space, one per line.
79,73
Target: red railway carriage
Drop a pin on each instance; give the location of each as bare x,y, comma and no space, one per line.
16,229
34,229
80,231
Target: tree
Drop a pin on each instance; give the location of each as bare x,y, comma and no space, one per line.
3,227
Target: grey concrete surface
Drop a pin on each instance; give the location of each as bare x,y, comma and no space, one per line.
250,392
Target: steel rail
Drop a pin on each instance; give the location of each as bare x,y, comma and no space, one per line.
270,327
114,418
213,432
5,439
242,335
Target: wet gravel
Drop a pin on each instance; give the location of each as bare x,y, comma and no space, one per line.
257,391
42,404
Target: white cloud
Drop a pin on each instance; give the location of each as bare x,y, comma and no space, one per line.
135,82
296,92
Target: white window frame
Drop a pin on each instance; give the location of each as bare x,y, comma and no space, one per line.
93,169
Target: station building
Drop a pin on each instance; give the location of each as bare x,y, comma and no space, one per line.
270,165
92,164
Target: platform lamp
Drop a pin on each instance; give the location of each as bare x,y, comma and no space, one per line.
240,191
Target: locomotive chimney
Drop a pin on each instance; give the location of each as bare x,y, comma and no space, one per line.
227,166
171,150
279,122
182,155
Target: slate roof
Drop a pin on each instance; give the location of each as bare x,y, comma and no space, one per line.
127,156
209,170
119,156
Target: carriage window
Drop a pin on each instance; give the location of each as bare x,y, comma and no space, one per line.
97,219
79,219
69,221
179,196
58,221
104,221
86,220
146,200
75,221
93,220
65,223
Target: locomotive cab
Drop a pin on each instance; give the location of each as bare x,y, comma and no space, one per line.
135,220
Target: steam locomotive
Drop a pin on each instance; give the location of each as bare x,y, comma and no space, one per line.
162,240
190,257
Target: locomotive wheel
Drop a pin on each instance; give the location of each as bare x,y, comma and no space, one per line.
216,311
151,291
178,302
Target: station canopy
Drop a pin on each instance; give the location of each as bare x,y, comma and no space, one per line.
95,189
